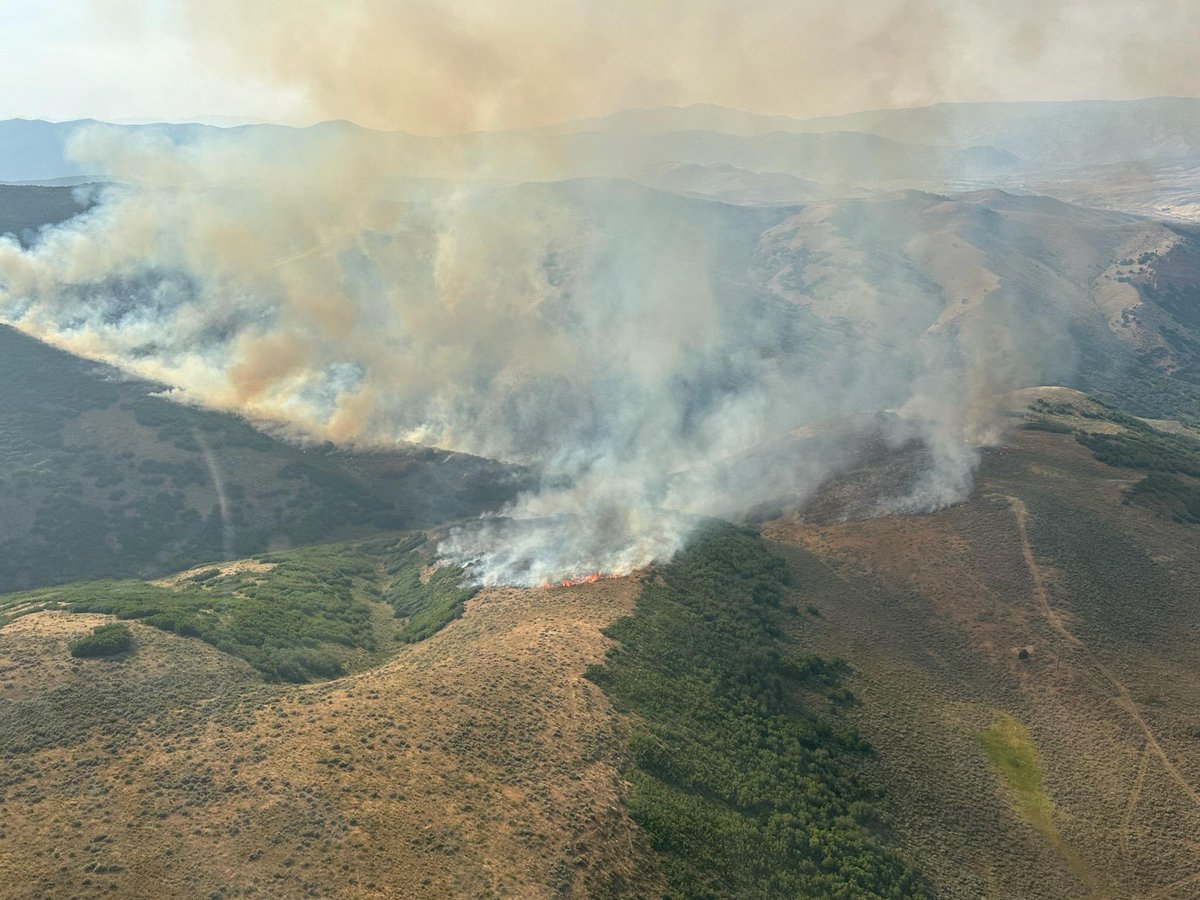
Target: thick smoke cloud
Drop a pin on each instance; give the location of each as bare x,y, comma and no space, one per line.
628,344
635,347
447,66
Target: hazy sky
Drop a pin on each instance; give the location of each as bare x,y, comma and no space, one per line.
450,65
67,59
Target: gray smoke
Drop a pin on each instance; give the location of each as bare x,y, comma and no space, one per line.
649,354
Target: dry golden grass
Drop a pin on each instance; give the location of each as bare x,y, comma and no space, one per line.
933,610
476,763
226,569
480,763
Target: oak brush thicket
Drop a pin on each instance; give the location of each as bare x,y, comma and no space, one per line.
743,788
105,640
302,615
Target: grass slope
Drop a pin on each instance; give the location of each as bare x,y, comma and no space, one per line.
25,209
1012,753
1010,750
1046,596
1172,459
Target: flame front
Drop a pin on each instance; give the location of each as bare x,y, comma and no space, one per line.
583,579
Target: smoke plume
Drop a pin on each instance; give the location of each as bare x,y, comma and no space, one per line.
453,66
643,351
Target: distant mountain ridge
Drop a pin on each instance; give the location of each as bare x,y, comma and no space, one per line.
36,150
1137,156
33,150
1047,131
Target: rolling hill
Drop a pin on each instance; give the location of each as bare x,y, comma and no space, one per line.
1097,300
1002,694
100,476
855,291
1045,135
995,699
24,209
1033,646
1132,155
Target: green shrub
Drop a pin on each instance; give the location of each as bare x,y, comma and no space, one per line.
740,785
1139,446
1047,425
105,640
306,618
298,666
430,606
161,621
1169,496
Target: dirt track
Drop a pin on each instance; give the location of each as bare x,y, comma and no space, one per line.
1124,700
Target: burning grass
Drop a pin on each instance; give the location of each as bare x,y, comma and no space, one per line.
579,579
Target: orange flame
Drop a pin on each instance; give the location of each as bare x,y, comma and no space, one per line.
584,579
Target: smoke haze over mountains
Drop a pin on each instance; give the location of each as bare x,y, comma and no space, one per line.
436,68
439,68
633,346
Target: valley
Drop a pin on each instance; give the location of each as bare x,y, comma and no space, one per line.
103,477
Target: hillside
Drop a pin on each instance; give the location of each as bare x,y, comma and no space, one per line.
1045,134
1026,668
100,477
476,758
1004,691
857,299
232,663
728,183
479,761
24,209
1133,155
1137,156
1061,135
1097,300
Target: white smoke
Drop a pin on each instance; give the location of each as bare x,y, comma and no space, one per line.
635,347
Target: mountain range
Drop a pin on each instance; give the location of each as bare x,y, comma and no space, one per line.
1127,149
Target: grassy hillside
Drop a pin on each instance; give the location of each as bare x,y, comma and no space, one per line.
99,478
475,762
1002,695
1026,667
742,781
1168,452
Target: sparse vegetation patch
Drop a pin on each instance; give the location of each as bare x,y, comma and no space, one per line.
430,605
1170,496
1012,753
1172,460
